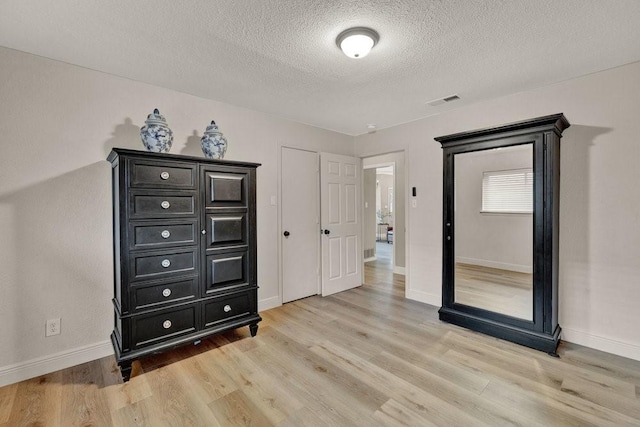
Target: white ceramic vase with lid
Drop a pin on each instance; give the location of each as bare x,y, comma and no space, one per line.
156,135
214,143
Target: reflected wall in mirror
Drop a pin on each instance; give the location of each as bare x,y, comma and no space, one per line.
494,230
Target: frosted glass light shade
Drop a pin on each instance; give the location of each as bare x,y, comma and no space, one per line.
357,42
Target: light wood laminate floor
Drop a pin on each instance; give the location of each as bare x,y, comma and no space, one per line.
363,357
493,289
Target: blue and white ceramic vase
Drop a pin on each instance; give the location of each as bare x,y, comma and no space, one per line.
156,135
214,144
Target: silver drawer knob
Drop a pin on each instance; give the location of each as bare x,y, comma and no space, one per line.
164,175
165,204
166,263
165,234
166,324
166,292
227,308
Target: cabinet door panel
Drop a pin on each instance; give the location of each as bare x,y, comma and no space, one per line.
228,229
225,270
225,189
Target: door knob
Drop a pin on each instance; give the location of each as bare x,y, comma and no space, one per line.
286,234
327,231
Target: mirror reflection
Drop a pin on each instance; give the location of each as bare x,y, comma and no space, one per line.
494,230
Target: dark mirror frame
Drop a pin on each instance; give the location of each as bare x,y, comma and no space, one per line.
543,333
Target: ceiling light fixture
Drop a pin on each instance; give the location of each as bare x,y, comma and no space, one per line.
357,42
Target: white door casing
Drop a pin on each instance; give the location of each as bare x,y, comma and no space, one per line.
300,219
340,216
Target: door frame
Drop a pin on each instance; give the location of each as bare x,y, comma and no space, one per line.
407,209
281,229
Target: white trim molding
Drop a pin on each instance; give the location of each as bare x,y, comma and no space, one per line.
398,270
424,297
495,264
373,258
269,303
54,362
624,349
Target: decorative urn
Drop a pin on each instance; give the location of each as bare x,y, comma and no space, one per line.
156,135
214,143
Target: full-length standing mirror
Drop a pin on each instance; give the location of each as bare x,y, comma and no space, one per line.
500,230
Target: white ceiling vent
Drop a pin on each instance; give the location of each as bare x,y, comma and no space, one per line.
441,101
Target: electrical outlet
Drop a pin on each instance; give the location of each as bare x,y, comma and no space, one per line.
53,327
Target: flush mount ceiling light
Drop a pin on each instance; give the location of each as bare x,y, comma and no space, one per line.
357,42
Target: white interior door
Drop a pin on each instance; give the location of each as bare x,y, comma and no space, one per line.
300,224
340,217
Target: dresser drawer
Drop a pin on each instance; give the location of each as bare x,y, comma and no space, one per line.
162,174
163,264
159,234
219,310
145,205
163,325
150,295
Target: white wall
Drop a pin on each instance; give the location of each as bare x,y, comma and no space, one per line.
58,122
599,203
384,183
502,241
369,232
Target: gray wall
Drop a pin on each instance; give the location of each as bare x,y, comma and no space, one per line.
599,203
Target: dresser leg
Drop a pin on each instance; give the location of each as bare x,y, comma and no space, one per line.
253,328
125,371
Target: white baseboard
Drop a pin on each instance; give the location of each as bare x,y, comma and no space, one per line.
54,362
608,345
269,303
495,264
424,297
398,270
373,258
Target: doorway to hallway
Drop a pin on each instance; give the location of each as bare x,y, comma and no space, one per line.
384,222
378,274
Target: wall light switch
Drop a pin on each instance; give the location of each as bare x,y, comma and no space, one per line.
414,203
274,201
366,205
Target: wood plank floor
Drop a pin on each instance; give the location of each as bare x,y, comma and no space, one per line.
493,289
364,357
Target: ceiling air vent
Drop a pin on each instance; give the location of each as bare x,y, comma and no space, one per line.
441,101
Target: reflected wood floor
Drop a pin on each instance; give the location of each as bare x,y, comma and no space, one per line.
363,357
502,291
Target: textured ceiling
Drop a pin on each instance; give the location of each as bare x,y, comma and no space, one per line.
280,57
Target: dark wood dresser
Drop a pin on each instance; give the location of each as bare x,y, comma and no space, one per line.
184,250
